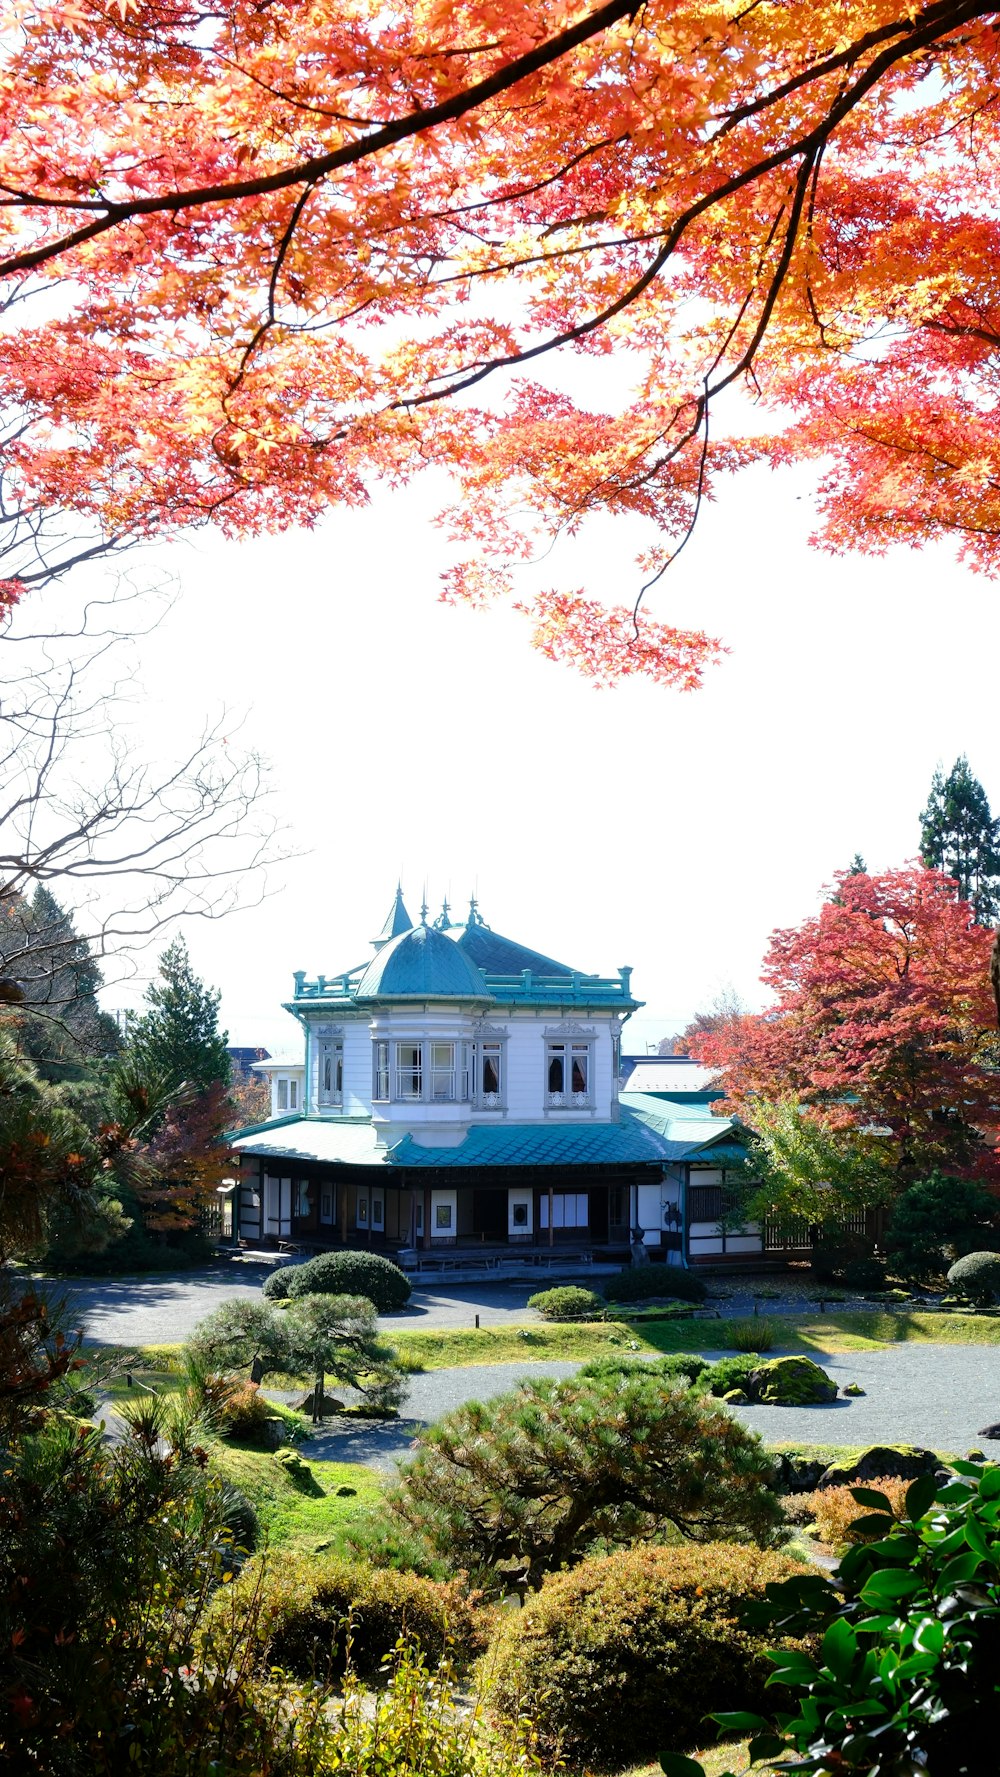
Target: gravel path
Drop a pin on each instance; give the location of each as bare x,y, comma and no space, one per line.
939,1396
165,1307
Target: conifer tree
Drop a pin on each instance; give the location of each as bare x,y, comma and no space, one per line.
959,835
178,1038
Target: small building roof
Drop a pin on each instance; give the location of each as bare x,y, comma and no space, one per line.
675,1075
355,1142
398,921
687,1128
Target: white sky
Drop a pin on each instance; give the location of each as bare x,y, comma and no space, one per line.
672,832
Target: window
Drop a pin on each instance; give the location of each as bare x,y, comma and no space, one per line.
705,1203
490,1074
293,1095
419,1224
326,1204
282,1095
442,1215
378,1212
302,1198
380,1088
362,1215
567,1074
331,1072
442,1072
570,1209
409,1070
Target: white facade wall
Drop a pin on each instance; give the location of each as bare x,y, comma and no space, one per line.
525,1033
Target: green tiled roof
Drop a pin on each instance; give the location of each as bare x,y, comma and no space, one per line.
685,1127
541,1144
497,955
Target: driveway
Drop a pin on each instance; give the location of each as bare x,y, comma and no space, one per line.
164,1308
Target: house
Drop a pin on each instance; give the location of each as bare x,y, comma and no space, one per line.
243,1060
456,1090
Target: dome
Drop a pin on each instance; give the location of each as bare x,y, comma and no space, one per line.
422,964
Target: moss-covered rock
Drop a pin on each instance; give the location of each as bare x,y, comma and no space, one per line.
736,1397
852,1389
902,1462
791,1382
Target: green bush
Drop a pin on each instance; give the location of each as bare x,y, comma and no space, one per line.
311,1609
629,1652
730,1372
645,1283
906,1630
865,1274
836,1250
566,1302
791,1382
978,1277
352,1274
242,1412
677,1366
940,1220
509,1488
276,1287
753,1334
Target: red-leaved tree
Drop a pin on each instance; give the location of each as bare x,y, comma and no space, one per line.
883,1018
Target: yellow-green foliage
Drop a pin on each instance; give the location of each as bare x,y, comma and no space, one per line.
318,1615
293,1517
834,1509
627,1653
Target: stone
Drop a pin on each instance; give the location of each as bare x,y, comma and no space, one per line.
736,1397
273,1433
791,1382
853,1389
904,1462
990,1431
346,1492
328,1407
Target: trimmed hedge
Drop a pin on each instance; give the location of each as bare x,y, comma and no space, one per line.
627,1653
677,1366
566,1302
645,1283
312,1609
277,1286
978,1277
352,1274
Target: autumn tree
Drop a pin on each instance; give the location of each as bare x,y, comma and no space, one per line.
959,835
301,247
882,1022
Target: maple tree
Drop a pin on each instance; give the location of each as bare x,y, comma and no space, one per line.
275,252
883,1022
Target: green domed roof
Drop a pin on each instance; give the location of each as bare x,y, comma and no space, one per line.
422,964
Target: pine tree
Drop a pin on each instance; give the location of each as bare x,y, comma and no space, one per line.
57,979
178,1038
959,835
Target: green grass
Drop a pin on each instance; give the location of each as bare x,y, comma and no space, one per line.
732,1755
292,1517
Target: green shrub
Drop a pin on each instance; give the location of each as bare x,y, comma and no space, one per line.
242,1412
940,1220
311,1609
791,1382
566,1302
276,1287
753,1334
644,1283
510,1488
730,1372
676,1366
628,1652
907,1625
865,1274
352,1274
978,1277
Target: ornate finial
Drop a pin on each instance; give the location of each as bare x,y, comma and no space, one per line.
475,917
442,923
423,908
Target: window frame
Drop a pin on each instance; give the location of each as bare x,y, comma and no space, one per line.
568,1050
330,1053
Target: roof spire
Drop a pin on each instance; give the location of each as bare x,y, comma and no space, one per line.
475,917
443,922
423,907
398,921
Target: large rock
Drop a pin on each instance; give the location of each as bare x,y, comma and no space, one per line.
329,1405
904,1462
791,1382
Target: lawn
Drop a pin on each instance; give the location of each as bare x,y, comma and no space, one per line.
732,1755
295,1517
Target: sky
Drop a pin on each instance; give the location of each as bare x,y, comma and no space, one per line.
668,831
